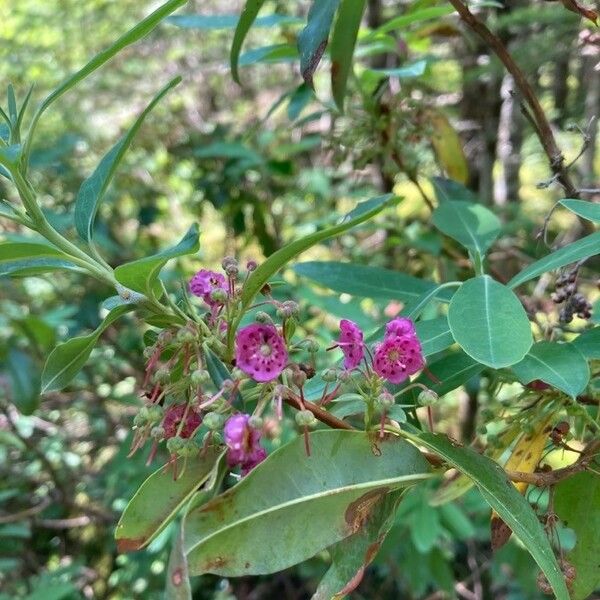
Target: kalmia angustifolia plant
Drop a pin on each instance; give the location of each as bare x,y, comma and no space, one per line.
189,408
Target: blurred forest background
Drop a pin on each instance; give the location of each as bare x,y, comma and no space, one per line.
257,166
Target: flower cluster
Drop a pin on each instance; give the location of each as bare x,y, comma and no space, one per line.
199,376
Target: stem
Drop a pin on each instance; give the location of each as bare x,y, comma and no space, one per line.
584,413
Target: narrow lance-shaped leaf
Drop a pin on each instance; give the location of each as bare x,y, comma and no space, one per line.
30,258
140,30
312,40
248,16
502,496
142,275
178,580
562,366
583,248
343,40
585,209
160,498
67,359
489,322
92,190
25,381
317,501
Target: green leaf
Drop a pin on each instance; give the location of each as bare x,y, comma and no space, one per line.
504,498
448,148
142,29
312,40
280,258
10,155
588,343
562,366
142,275
434,335
471,225
368,282
178,581
583,248
274,53
30,258
351,557
446,189
577,503
452,371
212,22
315,502
25,381
92,190
216,369
417,16
584,209
248,16
343,41
67,359
411,71
489,323
160,498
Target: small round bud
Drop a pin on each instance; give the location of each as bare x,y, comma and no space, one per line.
175,444
184,335
255,422
299,378
149,351
165,337
329,375
428,398
189,449
162,375
213,436
237,374
157,433
227,385
304,418
155,414
312,346
251,265
219,296
229,262
263,317
199,377
385,401
139,420
213,420
288,309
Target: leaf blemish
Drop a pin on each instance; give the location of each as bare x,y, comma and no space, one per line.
358,512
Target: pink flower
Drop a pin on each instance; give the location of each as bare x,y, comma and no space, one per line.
396,358
243,442
400,326
172,419
351,343
204,282
260,352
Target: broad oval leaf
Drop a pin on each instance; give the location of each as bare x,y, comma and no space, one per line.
160,498
503,497
142,275
588,343
489,323
472,225
247,17
31,258
583,248
67,359
311,502
369,282
446,189
577,503
92,190
312,40
582,208
343,40
562,366
351,557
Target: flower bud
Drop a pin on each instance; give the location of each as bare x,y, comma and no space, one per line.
263,317
155,413
175,444
255,422
251,265
312,346
213,420
157,433
229,262
184,335
237,374
288,309
305,418
165,337
329,375
199,377
219,296
427,398
162,375
385,401
149,351
189,449
299,378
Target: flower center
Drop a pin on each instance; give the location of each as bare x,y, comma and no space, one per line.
265,350
394,355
